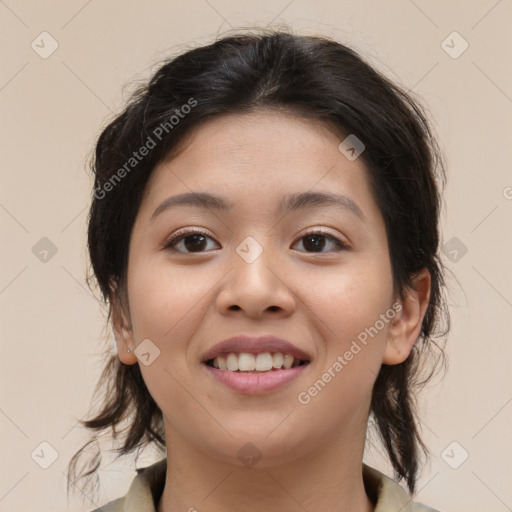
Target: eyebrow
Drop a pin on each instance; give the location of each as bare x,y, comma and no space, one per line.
292,202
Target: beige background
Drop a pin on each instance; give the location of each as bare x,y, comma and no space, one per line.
54,107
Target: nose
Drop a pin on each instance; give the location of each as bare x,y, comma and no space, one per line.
257,288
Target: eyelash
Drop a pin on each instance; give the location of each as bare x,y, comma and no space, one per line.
180,235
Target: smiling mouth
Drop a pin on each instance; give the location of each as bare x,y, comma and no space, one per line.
252,363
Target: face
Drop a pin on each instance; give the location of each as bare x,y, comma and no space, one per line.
317,275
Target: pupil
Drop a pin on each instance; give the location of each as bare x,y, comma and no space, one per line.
314,246
197,243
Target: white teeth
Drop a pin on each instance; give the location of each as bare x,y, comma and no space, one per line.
288,361
232,362
246,362
249,362
278,360
264,362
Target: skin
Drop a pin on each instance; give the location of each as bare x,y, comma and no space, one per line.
186,302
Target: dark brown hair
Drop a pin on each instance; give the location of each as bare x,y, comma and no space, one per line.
315,77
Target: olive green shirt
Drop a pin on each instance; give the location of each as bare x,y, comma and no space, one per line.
147,488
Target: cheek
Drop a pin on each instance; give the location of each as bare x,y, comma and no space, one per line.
350,300
163,300
166,306
348,308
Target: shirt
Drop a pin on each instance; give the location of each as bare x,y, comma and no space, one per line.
147,487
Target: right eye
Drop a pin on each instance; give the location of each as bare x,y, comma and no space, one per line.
191,240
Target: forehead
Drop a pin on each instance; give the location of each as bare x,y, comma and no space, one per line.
265,139
260,157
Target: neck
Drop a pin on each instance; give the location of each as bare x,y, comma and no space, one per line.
330,478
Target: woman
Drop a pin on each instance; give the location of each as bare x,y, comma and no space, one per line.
264,228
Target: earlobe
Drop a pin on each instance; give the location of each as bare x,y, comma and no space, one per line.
123,332
406,326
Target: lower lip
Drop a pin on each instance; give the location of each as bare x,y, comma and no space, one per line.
256,383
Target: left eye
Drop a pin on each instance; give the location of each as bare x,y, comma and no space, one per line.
317,241
196,241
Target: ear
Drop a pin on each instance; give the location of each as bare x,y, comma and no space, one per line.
121,324
406,325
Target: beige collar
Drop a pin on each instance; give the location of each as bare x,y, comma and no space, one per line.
147,488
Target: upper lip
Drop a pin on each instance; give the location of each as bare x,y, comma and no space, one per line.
255,345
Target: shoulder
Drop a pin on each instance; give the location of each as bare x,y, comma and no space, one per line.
388,495
112,506
144,492
420,507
